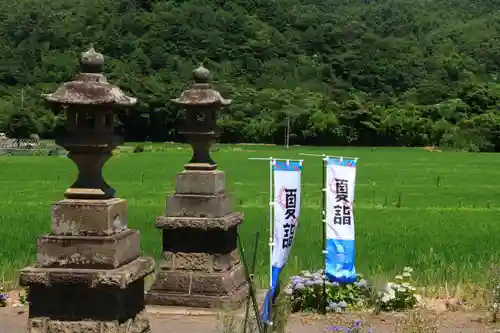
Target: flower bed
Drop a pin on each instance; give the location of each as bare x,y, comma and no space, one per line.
306,293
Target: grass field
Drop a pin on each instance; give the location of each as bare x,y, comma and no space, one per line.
437,212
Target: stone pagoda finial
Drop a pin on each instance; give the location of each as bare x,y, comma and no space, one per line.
201,75
91,61
90,87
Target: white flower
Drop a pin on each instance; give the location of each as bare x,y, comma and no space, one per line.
405,285
412,288
406,275
386,298
418,298
396,286
402,289
399,277
392,294
408,269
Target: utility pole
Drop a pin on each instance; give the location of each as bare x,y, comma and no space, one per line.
287,138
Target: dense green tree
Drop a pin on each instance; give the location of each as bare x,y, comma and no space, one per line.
363,72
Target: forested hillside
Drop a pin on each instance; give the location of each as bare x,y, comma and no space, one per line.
360,72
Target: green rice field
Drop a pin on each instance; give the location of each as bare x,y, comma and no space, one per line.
437,212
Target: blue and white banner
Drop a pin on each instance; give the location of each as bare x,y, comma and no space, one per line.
287,176
340,183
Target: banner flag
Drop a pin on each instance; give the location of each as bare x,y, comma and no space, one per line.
340,183
287,177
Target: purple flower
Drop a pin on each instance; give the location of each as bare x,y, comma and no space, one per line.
299,286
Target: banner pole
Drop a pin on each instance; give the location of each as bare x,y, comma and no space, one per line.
250,279
271,237
323,220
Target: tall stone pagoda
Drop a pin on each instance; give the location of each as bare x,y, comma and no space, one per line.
88,276
200,265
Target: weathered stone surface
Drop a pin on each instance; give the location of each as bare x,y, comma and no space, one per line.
193,261
37,325
200,182
231,301
178,282
225,261
89,217
191,205
205,262
93,278
136,324
223,223
88,251
55,326
191,282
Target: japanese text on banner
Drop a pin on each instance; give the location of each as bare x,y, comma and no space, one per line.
287,178
340,178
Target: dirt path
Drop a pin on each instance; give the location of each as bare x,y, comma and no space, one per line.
13,320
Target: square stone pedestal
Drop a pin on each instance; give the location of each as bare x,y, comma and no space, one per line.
200,265
88,284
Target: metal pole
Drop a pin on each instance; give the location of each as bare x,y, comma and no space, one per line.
249,278
323,224
323,155
271,237
273,159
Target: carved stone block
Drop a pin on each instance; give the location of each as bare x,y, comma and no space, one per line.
193,205
89,217
200,182
88,251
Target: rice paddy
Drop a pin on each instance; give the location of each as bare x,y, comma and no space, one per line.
437,212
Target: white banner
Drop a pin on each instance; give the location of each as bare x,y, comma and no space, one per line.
286,203
287,176
340,183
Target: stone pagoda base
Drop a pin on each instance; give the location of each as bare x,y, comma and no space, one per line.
83,283
200,265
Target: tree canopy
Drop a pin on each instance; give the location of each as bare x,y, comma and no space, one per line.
359,72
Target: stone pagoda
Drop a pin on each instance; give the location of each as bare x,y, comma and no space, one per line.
200,265
88,276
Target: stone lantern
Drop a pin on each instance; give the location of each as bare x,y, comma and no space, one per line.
201,104
88,276
200,265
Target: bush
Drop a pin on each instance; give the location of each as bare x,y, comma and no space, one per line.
306,293
139,148
400,294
